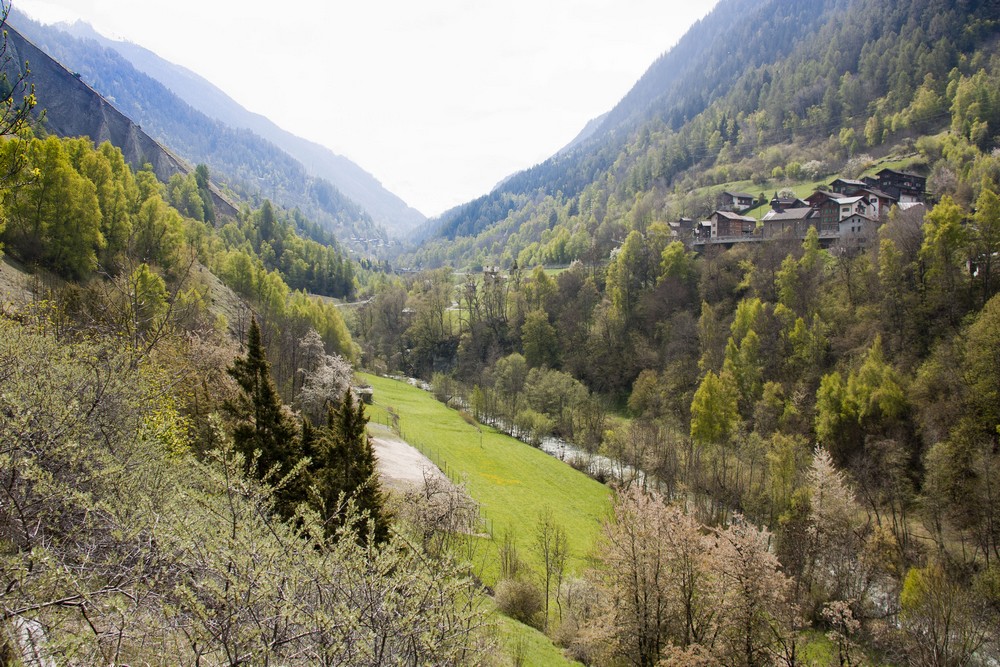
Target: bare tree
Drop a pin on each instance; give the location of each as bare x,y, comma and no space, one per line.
550,539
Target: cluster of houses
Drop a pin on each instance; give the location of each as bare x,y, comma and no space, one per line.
849,209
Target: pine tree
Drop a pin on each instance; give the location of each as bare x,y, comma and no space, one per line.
263,431
344,469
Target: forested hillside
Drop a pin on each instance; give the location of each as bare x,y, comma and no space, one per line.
760,96
805,425
161,503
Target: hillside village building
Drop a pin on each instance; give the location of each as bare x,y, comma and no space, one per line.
736,201
850,210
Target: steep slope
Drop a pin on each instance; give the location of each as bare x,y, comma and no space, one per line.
251,166
74,109
753,88
701,68
386,208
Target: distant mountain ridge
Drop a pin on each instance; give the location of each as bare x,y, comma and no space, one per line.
386,208
249,164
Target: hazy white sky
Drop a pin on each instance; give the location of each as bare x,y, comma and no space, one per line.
439,99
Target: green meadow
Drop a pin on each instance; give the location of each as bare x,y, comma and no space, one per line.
512,481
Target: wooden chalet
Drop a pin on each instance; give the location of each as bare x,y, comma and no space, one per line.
901,186
788,223
726,224
735,201
785,203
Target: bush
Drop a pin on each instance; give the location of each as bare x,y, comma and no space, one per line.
521,600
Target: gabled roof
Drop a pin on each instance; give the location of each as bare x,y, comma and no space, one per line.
734,216
847,200
742,195
789,214
857,215
899,173
848,181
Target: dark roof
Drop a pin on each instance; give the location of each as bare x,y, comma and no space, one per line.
738,194
878,193
848,181
900,173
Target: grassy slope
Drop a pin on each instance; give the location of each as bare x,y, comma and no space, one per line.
511,480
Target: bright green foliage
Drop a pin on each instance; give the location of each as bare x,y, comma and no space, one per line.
944,237
149,300
183,195
539,340
54,218
677,262
714,411
158,234
872,401
201,178
875,392
743,363
982,371
808,347
943,251
629,273
787,282
985,240
976,107
833,421
798,281
748,312
711,338
117,195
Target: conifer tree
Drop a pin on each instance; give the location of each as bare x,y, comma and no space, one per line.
344,469
263,431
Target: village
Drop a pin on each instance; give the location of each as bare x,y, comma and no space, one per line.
848,211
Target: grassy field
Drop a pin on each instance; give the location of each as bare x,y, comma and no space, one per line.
512,481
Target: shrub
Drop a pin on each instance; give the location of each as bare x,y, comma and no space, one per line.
521,600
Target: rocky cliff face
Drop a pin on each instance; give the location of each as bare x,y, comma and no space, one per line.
71,108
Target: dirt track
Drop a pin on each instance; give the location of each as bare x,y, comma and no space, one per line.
399,463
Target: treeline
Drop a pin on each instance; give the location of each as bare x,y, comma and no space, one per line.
133,250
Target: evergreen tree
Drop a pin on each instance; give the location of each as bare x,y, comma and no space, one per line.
344,469
264,432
